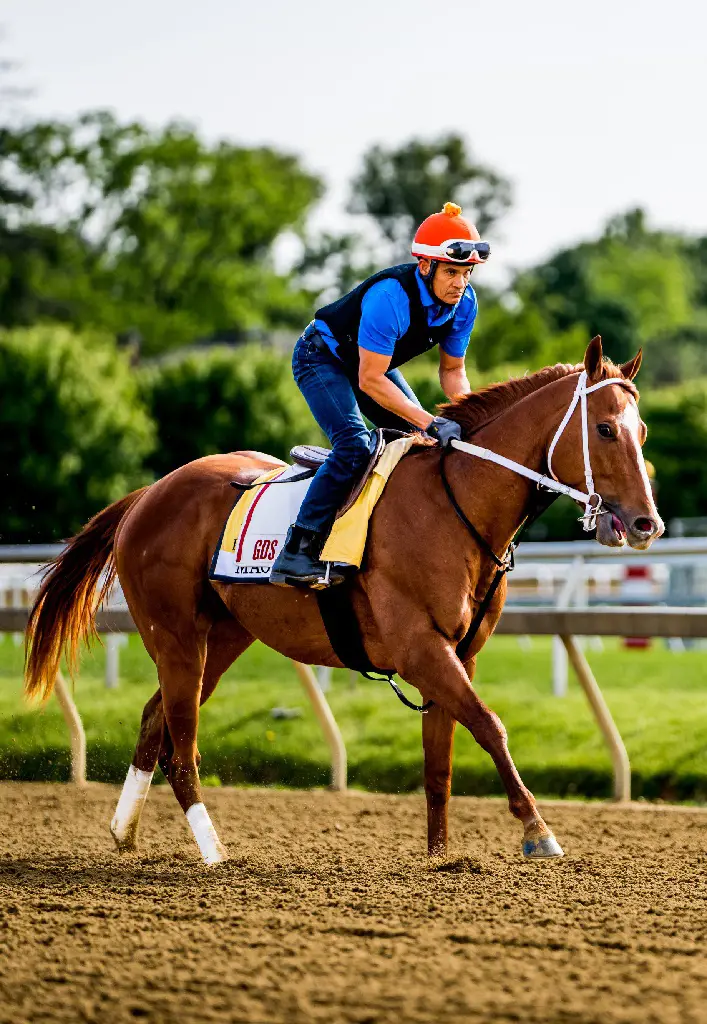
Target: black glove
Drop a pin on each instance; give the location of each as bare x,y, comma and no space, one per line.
444,431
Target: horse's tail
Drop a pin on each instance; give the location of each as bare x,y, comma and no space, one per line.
64,611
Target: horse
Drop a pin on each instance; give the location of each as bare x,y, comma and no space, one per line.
424,579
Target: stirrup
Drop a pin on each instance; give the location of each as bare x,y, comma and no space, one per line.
283,579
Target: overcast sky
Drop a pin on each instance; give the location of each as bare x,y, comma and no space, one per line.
588,108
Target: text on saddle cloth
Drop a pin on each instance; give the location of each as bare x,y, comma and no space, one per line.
257,525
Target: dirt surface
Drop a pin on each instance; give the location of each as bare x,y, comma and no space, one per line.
328,911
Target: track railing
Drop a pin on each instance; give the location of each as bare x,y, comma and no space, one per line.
567,623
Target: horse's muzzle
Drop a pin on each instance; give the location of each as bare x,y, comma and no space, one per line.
619,527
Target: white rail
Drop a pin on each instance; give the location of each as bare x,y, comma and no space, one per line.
568,623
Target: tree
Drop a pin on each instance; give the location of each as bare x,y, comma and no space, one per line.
224,400
398,188
676,445
157,231
631,286
73,431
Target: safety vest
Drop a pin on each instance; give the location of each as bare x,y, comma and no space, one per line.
344,316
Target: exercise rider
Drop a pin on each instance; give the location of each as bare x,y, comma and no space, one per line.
346,366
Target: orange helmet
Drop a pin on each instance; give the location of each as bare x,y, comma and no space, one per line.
449,238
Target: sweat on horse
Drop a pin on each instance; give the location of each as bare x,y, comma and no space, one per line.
423,580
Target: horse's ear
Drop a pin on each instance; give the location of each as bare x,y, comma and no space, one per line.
594,358
631,368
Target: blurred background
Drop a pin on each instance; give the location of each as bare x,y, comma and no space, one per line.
180,187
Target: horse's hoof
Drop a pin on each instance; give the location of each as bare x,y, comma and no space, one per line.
125,839
219,855
542,848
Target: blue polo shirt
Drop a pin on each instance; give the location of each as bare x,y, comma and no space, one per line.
385,318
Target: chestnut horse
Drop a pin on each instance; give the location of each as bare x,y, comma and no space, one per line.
424,576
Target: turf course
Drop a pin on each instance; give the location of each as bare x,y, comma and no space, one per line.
659,701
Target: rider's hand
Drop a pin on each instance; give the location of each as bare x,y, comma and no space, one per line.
444,431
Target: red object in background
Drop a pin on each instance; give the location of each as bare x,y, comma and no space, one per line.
637,583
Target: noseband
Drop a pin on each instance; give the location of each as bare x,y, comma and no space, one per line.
593,503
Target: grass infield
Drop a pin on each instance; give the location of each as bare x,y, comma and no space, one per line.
657,699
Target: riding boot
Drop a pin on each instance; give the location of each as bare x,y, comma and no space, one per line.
298,564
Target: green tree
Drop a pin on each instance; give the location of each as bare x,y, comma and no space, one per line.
155,230
224,400
676,445
631,286
395,189
73,431
399,187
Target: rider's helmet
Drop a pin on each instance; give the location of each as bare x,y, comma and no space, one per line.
447,237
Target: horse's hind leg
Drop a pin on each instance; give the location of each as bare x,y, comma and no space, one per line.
126,820
226,641
437,740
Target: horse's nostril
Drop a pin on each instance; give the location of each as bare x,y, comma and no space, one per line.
644,525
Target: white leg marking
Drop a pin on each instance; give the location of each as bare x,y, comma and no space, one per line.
126,819
212,849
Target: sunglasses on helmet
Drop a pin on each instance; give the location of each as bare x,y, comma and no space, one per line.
464,251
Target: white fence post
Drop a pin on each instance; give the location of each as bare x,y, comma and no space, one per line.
76,730
113,643
328,724
569,589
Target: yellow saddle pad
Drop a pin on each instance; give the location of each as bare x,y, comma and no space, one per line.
347,540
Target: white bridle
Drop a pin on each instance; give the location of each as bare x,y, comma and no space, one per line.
590,499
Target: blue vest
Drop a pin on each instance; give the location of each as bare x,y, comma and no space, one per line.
344,316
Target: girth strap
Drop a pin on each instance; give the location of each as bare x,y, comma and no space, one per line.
345,638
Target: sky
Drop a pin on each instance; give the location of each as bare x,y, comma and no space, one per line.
589,109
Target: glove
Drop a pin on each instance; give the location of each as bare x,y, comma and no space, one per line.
444,431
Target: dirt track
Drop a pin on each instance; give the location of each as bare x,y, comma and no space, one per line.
329,912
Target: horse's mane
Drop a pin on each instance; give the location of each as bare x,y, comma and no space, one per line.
475,410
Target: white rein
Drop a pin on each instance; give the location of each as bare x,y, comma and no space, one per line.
590,499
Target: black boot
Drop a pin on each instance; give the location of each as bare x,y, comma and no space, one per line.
298,563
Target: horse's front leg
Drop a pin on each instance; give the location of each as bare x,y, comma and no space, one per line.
433,667
437,741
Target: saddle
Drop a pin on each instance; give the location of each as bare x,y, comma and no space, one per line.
312,456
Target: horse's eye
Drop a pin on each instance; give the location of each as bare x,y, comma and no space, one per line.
605,430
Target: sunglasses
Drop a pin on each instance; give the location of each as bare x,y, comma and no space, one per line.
464,251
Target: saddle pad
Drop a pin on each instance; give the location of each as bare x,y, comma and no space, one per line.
257,526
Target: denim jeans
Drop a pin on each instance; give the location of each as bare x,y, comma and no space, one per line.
338,405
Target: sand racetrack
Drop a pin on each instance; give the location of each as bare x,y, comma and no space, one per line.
328,911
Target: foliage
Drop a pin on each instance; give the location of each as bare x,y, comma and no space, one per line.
147,230
73,431
223,400
399,187
676,445
632,286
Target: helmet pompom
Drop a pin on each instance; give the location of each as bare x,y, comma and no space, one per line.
451,209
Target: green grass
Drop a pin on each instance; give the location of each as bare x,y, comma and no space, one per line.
659,701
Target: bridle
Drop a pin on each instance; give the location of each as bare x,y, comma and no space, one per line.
593,503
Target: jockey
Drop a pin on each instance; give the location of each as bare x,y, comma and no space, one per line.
346,366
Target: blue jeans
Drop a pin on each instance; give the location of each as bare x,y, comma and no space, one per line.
338,405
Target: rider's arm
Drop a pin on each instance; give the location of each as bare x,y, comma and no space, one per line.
372,380
385,317
452,375
452,372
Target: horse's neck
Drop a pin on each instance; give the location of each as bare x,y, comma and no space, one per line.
495,499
